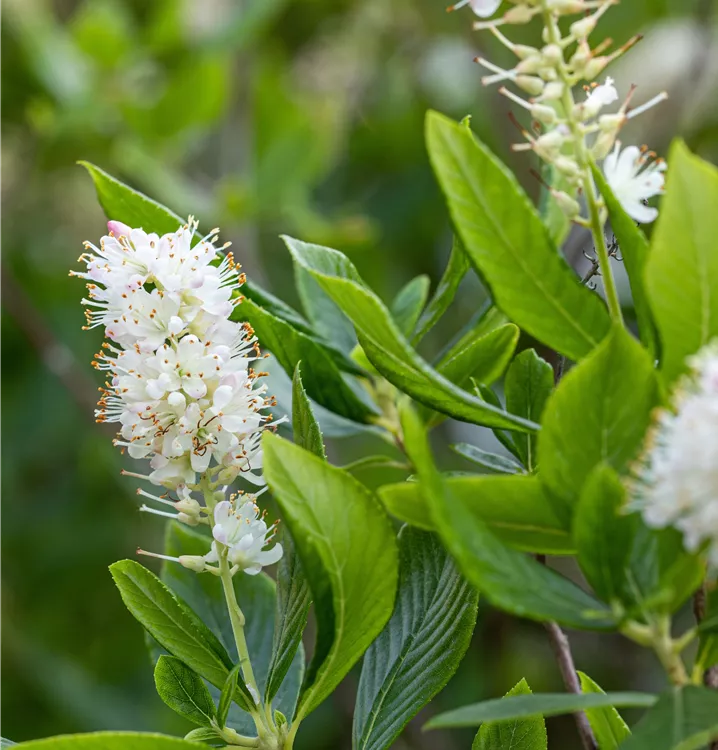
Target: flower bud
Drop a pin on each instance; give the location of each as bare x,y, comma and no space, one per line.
581,29
519,14
192,562
118,229
530,84
187,519
595,67
552,54
553,90
565,7
544,114
567,204
567,166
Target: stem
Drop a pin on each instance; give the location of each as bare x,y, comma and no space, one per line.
584,160
668,654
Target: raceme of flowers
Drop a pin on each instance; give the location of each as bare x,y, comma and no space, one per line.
181,385
573,132
677,480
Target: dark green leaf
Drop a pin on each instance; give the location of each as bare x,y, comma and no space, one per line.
353,585
184,691
227,695
486,393
110,741
609,729
634,250
509,246
537,704
510,579
682,268
513,734
444,294
408,304
598,413
683,719
386,347
422,645
490,461
603,535
307,433
515,508
528,384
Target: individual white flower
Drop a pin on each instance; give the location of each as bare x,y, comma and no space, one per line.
245,534
599,97
634,178
482,8
677,480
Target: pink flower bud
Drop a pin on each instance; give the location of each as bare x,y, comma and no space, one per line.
118,229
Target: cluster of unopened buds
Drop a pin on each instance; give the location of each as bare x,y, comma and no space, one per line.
181,385
569,134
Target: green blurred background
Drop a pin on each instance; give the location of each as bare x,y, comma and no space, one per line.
263,117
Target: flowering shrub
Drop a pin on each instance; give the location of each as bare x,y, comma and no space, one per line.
610,457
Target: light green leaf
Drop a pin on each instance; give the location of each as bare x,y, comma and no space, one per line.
683,719
353,585
445,291
634,250
422,645
307,432
184,691
487,460
536,704
515,508
509,246
409,302
609,729
206,736
110,741
682,267
227,695
513,734
599,413
510,579
604,535
527,386
385,345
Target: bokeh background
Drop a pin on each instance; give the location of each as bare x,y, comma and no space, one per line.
263,117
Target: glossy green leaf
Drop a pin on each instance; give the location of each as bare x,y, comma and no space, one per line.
445,292
257,597
409,302
515,509
634,250
307,432
599,413
609,729
323,381
226,697
487,460
421,646
110,741
528,384
184,691
683,719
603,533
510,579
353,585
486,393
385,345
509,246
536,704
682,267
527,733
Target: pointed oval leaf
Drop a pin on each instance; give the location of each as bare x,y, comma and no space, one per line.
184,691
421,646
487,460
226,697
409,302
609,729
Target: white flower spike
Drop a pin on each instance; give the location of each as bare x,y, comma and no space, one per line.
634,178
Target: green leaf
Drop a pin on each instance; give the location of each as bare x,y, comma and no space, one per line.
609,729
510,579
536,704
513,734
528,384
486,393
184,691
682,268
422,645
409,302
324,382
206,736
708,648
634,250
257,597
226,697
171,621
445,292
353,585
110,741
490,461
683,719
306,430
599,413
385,345
515,508
509,246
602,534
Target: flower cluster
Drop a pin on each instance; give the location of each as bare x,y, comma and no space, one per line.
677,480
573,133
181,385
